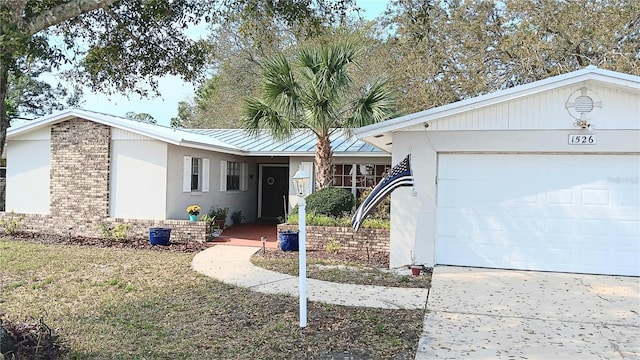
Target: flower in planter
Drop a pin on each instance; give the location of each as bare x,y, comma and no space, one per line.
194,209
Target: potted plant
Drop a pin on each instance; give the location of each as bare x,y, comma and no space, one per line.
237,217
415,269
220,215
193,211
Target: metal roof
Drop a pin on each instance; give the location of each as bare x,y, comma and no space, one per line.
234,141
301,142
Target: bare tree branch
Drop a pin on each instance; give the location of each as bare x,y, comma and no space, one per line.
62,13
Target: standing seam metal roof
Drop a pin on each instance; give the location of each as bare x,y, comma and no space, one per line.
302,141
237,141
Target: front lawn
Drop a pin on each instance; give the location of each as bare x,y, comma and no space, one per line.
110,303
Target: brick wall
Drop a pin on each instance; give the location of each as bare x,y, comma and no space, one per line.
319,236
79,187
79,177
181,230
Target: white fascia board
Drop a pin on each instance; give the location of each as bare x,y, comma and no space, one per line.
312,154
222,149
95,117
161,134
367,154
607,77
53,118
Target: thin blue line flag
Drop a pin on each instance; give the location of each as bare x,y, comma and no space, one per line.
400,175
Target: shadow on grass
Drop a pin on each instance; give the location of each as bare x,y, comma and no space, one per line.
214,320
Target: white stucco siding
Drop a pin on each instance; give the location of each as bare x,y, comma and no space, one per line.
28,175
138,177
235,200
413,209
546,111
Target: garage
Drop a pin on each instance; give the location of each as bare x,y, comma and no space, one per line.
541,176
557,212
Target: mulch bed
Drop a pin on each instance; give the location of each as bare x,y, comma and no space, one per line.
372,259
48,239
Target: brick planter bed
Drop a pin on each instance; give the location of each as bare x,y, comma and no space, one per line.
376,240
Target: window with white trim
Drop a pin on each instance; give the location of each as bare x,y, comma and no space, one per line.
195,174
358,177
234,176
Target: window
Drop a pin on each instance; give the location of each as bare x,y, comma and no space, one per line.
233,175
195,174
358,177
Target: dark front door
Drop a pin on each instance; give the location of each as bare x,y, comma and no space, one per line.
275,190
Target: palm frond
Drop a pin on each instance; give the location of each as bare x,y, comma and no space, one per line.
314,93
377,104
257,114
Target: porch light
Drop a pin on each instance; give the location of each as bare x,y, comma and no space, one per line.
301,184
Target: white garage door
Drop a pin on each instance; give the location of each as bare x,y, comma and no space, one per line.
570,213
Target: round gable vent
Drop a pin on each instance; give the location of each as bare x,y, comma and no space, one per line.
582,102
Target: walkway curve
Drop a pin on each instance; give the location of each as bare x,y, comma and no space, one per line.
232,265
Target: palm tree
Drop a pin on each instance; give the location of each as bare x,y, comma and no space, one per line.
316,92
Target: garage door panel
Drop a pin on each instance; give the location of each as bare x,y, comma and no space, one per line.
629,198
559,226
628,228
540,212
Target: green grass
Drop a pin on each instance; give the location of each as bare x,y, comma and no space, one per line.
144,304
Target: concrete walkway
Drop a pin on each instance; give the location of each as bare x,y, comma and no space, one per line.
232,265
504,314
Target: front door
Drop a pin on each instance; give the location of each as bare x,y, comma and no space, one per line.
275,191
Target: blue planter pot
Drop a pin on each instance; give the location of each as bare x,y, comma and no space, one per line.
193,217
159,236
288,240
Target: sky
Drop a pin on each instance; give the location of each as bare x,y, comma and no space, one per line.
173,89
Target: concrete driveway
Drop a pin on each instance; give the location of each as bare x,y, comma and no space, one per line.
502,314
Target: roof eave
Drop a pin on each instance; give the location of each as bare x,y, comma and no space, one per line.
629,82
311,153
202,146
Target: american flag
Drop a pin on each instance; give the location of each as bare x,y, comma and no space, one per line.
400,175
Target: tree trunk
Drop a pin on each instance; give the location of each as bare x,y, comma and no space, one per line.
4,119
323,162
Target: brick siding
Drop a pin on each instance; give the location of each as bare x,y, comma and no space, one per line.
377,240
79,176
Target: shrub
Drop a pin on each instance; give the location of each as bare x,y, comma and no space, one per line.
343,221
11,224
118,232
331,201
333,246
382,210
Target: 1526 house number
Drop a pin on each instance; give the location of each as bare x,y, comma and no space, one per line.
582,139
